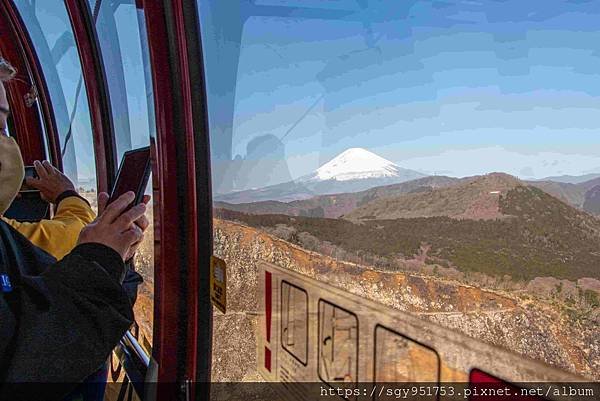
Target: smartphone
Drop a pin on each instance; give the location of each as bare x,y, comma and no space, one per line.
133,175
29,172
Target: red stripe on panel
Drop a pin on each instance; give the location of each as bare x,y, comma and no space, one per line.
268,303
267,359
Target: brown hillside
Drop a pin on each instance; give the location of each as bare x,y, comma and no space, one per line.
475,198
336,205
534,329
539,236
573,194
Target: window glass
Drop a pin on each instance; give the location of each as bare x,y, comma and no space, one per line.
445,145
50,30
122,35
120,27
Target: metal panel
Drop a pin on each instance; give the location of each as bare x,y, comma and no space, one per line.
356,340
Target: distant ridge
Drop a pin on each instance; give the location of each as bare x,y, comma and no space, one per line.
494,224
336,205
471,198
570,179
578,195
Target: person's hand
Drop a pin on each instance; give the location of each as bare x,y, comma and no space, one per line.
50,182
143,224
114,227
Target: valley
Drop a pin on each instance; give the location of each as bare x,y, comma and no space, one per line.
512,262
535,327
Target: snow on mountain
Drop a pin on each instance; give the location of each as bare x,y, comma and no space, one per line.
353,170
356,164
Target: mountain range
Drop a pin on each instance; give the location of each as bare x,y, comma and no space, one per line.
336,205
491,231
584,196
571,179
476,198
353,170
494,224
358,176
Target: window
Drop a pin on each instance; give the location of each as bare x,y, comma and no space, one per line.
50,30
450,144
294,321
121,32
401,359
338,344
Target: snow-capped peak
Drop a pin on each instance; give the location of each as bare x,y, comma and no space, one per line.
356,164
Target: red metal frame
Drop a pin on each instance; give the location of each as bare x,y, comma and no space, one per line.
183,312
97,92
176,241
17,48
192,273
177,247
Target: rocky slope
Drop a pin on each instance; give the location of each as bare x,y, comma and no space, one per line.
531,327
581,195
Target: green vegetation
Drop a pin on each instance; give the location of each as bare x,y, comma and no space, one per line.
543,237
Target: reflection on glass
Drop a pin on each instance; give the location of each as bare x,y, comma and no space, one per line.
122,36
400,359
338,344
453,140
50,30
294,321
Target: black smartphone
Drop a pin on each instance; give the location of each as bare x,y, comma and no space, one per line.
133,175
29,172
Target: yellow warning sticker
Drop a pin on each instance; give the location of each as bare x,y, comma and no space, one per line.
218,283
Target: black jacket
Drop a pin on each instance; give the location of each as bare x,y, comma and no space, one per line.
61,320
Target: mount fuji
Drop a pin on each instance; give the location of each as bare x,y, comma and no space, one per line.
353,170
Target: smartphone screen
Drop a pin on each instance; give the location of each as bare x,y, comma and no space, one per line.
29,172
133,174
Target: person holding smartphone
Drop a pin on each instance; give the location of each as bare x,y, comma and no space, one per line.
57,236
60,320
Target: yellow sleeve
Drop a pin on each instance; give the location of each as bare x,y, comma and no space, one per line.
59,235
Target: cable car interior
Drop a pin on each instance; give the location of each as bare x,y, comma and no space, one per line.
342,192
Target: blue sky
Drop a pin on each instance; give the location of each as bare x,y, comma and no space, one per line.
448,87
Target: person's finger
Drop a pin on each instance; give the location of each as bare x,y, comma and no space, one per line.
102,202
142,222
40,170
116,208
132,236
49,167
133,249
33,182
127,219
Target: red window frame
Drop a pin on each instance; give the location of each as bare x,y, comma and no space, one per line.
181,167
